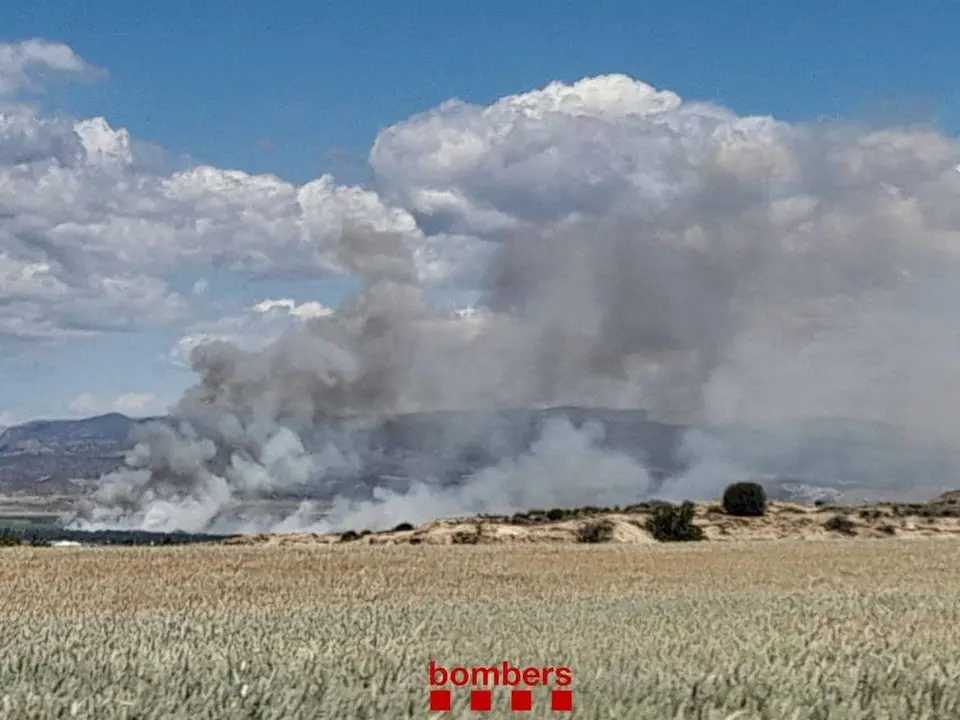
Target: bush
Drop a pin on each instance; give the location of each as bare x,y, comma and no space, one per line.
596,531
671,523
9,539
841,524
466,537
37,540
349,536
746,499
938,510
402,527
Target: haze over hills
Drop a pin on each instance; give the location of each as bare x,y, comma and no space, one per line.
826,458
44,456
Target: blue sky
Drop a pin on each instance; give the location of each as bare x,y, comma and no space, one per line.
303,88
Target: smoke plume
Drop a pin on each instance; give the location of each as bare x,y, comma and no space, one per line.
641,252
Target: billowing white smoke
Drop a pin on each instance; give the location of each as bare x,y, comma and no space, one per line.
565,467
647,252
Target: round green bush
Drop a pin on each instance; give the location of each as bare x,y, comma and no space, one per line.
745,499
595,531
671,523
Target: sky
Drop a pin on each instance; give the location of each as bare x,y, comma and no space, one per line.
188,171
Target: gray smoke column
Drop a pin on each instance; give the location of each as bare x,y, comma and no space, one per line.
647,253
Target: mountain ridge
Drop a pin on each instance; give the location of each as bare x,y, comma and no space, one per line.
66,456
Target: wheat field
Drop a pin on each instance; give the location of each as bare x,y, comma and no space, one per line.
780,629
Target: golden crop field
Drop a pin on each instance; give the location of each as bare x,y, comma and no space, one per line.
781,629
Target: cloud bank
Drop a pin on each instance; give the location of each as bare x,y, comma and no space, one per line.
628,248
31,64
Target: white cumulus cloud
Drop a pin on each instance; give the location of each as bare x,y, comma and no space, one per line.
90,231
29,64
254,327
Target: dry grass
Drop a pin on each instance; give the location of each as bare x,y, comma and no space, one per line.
788,629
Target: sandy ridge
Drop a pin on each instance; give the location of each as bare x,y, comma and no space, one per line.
783,520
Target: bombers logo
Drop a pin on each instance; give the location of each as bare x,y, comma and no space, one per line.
481,678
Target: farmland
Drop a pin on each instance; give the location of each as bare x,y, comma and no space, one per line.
780,629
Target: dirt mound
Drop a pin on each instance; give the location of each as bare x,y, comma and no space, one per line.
939,517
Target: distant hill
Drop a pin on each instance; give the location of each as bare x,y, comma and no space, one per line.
43,456
88,436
